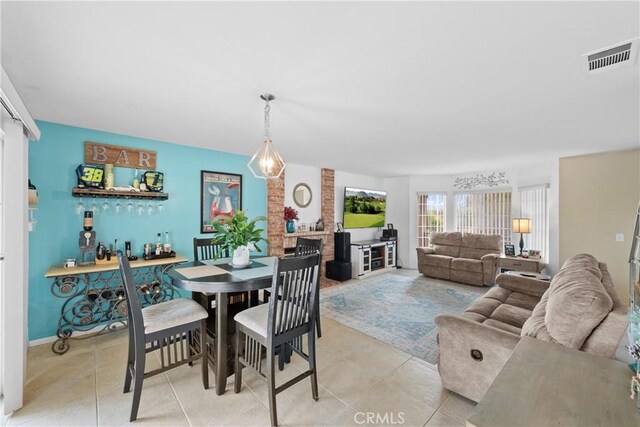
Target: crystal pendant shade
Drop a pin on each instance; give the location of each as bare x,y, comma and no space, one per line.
266,163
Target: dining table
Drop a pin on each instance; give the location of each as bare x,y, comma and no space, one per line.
220,278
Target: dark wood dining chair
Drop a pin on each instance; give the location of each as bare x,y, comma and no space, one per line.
166,326
204,250
306,246
285,319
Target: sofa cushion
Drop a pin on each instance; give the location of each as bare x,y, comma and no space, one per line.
484,306
583,262
511,315
519,299
577,303
437,260
503,326
446,243
477,245
535,326
467,264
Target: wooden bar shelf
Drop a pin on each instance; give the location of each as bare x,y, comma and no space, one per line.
113,194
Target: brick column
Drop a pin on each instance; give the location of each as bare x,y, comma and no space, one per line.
275,212
328,212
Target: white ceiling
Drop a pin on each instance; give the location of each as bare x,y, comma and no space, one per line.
377,88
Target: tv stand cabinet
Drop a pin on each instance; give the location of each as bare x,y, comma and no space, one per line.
371,257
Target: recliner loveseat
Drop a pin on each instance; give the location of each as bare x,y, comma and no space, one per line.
578,309
461,257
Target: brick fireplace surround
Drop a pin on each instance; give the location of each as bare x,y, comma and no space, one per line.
276,233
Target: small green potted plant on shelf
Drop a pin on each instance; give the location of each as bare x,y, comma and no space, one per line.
238,235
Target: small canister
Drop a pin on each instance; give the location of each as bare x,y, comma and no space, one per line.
147,249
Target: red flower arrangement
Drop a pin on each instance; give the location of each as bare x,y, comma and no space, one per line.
290,214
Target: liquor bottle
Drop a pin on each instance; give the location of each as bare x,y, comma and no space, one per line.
87,222
144,288
127,249
136,181
159,245
167,243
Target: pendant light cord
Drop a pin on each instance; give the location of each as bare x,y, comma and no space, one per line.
267,130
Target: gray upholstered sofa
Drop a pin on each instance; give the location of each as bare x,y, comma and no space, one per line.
461,257
579,309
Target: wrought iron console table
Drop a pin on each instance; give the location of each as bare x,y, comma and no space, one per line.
94,295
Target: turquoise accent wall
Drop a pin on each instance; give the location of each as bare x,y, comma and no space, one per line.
52,164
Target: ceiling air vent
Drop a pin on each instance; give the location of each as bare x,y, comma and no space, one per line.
617,56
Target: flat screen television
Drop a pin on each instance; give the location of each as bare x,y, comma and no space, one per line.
364,208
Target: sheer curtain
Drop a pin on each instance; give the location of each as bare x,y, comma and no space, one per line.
432,212
484,213
534,204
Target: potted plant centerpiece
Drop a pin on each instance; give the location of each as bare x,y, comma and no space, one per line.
290,215
238,235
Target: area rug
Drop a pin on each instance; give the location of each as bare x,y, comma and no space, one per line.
398,309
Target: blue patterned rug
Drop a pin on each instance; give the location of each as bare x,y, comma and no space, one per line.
398,309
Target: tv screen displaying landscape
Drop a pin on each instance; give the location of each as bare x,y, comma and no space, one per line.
364,208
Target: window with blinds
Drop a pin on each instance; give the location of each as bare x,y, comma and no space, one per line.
484,213
534,204
432,212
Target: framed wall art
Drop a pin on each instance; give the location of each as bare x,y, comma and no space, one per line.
220,194
510,250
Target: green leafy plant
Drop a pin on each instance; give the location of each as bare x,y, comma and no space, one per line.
237,231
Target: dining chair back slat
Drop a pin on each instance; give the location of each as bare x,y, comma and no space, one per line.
295,281
203,249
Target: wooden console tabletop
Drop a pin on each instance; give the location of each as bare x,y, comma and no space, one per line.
58,270
545,384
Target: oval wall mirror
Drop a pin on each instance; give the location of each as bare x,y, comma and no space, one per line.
302,195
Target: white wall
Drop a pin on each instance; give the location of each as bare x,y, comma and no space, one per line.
296,174
309,175
402,209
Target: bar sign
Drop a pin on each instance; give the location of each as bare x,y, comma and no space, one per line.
124,157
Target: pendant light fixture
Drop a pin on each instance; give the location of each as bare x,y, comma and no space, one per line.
266,163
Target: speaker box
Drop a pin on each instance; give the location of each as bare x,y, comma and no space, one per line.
342,246
338,270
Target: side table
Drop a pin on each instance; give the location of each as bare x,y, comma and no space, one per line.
546,384
506,263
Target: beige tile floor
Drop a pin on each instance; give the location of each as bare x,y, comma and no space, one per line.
359,377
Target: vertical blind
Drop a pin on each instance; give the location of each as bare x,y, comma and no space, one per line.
534,204
484,213
431,216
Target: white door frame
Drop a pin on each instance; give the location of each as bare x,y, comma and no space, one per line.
18,126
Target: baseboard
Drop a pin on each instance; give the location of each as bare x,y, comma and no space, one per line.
47,340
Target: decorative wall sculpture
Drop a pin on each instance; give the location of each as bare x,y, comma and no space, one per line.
492,180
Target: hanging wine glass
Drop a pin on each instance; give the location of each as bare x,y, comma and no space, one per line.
160,206
118,207
130,207
140,208
94,207
106,206
79,207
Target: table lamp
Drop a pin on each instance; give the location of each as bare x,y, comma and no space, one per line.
522,226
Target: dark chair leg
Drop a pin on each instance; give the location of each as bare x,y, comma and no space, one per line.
271,388
137,382
237,381
190,346
205,357
312,364
318,328
130,364
282,356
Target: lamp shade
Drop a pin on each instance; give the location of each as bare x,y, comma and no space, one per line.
522,225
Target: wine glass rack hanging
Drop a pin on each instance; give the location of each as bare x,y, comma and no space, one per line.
117,194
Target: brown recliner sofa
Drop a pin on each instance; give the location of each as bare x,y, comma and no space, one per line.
461,257
578,309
